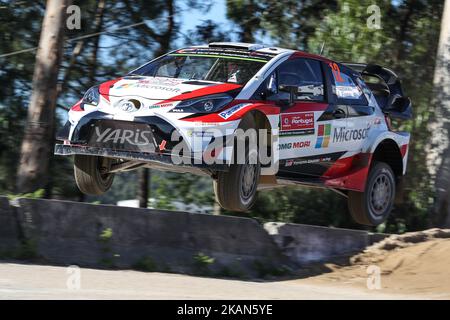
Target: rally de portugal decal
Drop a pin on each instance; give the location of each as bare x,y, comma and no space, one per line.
323,136
300,123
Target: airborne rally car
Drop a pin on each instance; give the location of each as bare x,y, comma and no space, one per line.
250,117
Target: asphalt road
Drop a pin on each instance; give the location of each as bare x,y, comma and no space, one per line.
21,281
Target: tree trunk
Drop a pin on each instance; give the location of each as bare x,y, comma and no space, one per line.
98,26
164,41
441,130
143,187
35,149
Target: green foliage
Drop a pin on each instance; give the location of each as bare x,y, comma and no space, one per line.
265,269
108,259
187,187
233,271
406,43
38,194
287,23
123,188
206,32
27,251
203,259
347,36
202,262
302,205
19,29
106,235
146,264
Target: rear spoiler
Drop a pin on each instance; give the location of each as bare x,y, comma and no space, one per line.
396,103
387,75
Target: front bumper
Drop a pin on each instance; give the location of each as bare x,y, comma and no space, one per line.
160,160
152,134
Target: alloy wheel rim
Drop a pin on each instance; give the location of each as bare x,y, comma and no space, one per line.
248,180
380,194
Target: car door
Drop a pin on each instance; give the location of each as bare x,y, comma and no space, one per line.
306,125
349,93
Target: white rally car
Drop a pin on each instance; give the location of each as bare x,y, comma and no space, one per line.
316,122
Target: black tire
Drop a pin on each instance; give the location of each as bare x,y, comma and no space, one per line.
373,206
236,189
88,176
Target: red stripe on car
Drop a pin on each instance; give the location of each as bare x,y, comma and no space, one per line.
77,106
301,54
220,88
267,109
349,173
106,87
403,150
306,106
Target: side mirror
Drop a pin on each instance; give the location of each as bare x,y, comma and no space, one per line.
271,87
292,90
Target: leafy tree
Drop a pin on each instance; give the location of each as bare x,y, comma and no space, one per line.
287,23
20,33
206,32
407,39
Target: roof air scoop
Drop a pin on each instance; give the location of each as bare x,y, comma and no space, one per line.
237,45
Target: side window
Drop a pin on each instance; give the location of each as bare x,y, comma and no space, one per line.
345,88
306,74
364,87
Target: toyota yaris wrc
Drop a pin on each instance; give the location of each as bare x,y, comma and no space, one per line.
250,117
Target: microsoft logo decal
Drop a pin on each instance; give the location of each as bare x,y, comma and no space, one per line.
323,136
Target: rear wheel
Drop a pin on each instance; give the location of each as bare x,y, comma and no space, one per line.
91,174
373,206
236,189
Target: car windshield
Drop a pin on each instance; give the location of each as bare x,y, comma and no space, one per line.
215,68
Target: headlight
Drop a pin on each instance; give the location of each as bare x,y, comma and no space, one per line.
206,104
92,96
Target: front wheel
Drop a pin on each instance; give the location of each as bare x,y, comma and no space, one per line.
91,174
373,206
235,190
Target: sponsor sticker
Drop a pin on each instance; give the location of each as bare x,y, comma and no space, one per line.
156,83
230,111
348,92
299,162
199,133
133,137
344,135
300,123
294,145
323,136
156,106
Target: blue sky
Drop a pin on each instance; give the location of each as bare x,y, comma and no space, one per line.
192,18
217,13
